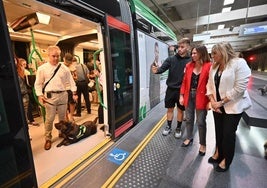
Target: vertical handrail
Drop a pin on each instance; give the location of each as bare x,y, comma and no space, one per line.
96,79
30,58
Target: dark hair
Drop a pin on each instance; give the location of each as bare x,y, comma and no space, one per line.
203,53
68,57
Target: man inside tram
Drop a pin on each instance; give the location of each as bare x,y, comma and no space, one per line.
51,79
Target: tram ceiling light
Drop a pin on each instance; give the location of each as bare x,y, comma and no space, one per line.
43,18
30,20
93,41
228,2
46,32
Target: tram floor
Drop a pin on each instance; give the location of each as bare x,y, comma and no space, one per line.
48,163
164,163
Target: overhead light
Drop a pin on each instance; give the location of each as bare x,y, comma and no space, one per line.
226,9
29,20
201,37
221,26
46,32
228,2
43,18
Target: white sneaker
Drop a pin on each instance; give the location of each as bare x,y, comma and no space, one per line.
166,131
178,133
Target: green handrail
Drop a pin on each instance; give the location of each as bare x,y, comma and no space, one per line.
96,79
79,60
30,58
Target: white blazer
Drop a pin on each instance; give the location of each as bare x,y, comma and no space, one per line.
233,85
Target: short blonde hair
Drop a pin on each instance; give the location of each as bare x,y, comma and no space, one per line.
184,40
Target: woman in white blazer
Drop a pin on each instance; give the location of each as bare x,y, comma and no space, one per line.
227,92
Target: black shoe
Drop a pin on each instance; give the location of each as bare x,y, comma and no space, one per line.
265,150
77,115
189,143
220,169
201,153
212,160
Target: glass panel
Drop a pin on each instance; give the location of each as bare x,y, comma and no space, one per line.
122,75
16,164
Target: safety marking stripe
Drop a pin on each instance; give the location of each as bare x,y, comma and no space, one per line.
131,158
103,146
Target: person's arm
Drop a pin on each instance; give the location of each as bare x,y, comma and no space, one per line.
242,74
165,66
182,89
38,86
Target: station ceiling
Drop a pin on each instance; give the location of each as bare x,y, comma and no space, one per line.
199,20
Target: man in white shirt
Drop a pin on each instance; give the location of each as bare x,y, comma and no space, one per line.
51,90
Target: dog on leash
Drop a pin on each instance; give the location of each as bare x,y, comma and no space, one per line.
72,133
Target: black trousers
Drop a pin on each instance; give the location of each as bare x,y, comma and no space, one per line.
100,111
225,132
30,107
82,88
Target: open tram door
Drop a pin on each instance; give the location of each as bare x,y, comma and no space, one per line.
16,161
120,76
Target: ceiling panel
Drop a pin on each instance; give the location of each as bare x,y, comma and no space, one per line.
189,17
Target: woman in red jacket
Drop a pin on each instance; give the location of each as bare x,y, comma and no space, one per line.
193,95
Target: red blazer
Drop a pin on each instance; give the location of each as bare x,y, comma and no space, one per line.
201,98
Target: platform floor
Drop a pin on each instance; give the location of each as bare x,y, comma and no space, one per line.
163,163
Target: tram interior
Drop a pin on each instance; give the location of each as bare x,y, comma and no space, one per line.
60,26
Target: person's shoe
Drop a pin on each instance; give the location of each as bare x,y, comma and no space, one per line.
188,144
77,115
167,131
202,150
201,153
265,150
178,133
212,160
47,145
220,169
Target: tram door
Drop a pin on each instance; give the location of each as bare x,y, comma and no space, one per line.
122,80
16,162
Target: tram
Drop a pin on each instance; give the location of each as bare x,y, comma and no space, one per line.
126,35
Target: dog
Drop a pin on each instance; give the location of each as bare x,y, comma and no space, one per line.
72,133
263,90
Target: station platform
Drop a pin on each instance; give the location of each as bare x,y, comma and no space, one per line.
257,114
143,157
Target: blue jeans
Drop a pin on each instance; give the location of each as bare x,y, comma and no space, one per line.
201,115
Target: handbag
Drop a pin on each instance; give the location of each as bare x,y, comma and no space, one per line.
43,90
